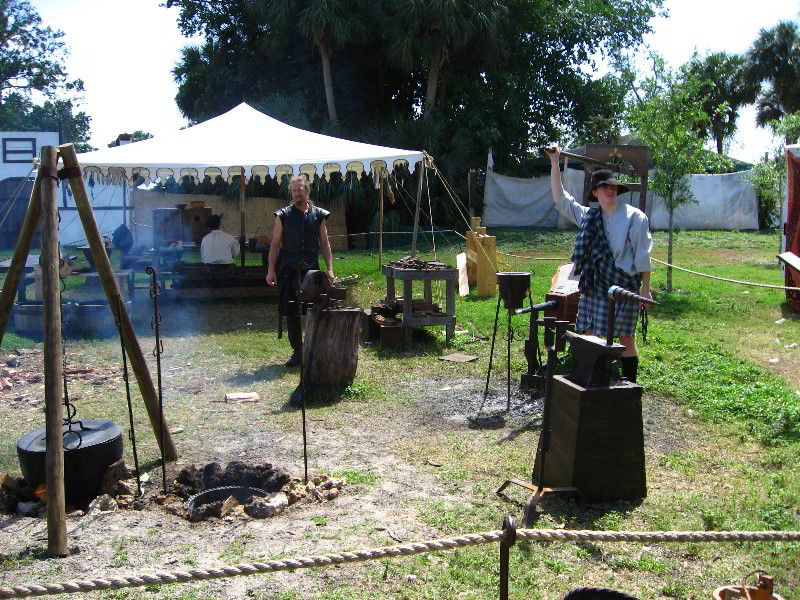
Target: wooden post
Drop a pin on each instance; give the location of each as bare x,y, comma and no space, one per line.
106,273
16,271
380,226
53,365
472,250
487,265
416,211
241,217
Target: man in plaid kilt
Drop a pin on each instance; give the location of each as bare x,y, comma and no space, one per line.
613,247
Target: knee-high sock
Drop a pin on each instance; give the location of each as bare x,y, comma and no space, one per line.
630,366
294,332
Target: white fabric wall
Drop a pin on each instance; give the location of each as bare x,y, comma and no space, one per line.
513,202
725,201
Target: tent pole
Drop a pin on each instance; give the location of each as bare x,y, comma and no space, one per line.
241,217
16,271
53,365
109,281
419,201
380,227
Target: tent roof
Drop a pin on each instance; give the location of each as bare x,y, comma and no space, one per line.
241,137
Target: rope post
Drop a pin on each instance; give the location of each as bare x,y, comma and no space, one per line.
509,539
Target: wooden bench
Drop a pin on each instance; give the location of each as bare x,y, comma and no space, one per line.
218,281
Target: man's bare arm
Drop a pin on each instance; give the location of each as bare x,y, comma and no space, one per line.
325,248
274,251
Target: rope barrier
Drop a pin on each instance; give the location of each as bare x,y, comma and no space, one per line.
762,285
307,562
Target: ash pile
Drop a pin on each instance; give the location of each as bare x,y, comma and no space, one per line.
255,491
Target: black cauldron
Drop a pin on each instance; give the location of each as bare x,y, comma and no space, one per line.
514,287
88,453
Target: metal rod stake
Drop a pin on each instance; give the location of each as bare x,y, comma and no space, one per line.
155,292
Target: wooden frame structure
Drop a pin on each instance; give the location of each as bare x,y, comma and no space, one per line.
43,204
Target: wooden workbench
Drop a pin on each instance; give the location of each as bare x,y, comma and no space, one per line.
426,276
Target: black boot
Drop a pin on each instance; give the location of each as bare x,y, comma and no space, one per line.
295,335
630,365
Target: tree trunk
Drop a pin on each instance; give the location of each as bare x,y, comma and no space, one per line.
669,252
330,347
325,56
437,61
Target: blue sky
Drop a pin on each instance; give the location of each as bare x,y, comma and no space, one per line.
125,50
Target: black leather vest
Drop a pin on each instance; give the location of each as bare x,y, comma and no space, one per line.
301,235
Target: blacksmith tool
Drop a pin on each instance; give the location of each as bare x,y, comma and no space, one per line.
155,323
132,432
513,287
617,293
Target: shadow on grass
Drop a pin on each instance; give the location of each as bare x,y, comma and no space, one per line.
315,398
268,373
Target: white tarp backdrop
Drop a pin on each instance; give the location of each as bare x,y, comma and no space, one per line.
241,137
725,201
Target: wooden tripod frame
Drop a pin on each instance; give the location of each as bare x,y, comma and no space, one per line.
43,203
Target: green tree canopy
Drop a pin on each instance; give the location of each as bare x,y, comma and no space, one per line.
31,55
774,62
723,89
446,76
664,115
18,113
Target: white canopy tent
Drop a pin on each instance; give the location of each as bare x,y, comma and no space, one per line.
242,138
242,141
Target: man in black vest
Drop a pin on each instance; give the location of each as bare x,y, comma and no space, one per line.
301,228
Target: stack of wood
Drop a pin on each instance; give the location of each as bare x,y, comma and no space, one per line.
410,262
385,319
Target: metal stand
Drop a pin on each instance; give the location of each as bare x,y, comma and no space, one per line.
540,490
510,336
155,293
132,432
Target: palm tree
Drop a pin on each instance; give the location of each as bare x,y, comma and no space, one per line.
328,24
723,90
774,60
434,31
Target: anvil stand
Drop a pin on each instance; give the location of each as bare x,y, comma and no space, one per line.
552,330
536,375
513,288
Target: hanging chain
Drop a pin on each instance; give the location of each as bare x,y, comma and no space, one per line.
69,407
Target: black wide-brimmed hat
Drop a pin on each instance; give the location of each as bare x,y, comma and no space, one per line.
606,177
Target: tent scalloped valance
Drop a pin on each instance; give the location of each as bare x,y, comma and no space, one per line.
242,138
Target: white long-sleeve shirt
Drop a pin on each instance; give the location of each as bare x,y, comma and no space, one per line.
219,248
626,228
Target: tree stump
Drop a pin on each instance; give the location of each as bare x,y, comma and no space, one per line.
330,348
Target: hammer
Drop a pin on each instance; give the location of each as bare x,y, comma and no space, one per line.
615,293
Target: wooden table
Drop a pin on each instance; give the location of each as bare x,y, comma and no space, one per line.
426,276
31,262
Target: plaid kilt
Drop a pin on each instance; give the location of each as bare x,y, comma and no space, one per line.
593,315
598,272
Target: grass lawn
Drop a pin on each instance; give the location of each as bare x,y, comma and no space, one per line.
721,377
